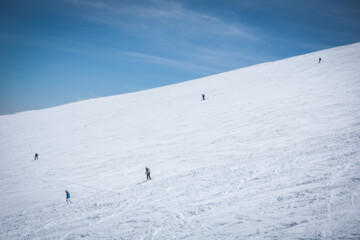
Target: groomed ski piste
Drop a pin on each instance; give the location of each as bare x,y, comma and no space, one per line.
272,153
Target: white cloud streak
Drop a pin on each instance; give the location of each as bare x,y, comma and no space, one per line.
175,63
162,14
172,28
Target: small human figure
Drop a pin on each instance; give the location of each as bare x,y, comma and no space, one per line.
36,156
67,196
319,60
147,172
203,96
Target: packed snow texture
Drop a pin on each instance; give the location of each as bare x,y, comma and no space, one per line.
272,153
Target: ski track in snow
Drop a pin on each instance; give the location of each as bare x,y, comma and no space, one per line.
273,153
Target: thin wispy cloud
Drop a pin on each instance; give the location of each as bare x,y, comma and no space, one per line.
175,63
170,28
162,13
96,4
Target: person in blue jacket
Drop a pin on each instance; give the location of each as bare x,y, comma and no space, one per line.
67,196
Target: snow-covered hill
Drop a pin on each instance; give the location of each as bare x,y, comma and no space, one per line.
273,153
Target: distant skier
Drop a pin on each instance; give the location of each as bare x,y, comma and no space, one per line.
147,172
319,60
203,96
67,196
36,156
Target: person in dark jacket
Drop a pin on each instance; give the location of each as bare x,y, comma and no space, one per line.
319,60
203,96
147,172
67,196
36,156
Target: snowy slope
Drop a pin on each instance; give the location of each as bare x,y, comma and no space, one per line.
273,153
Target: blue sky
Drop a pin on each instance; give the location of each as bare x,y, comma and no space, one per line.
54,52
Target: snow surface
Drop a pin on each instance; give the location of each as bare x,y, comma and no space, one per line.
273,153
